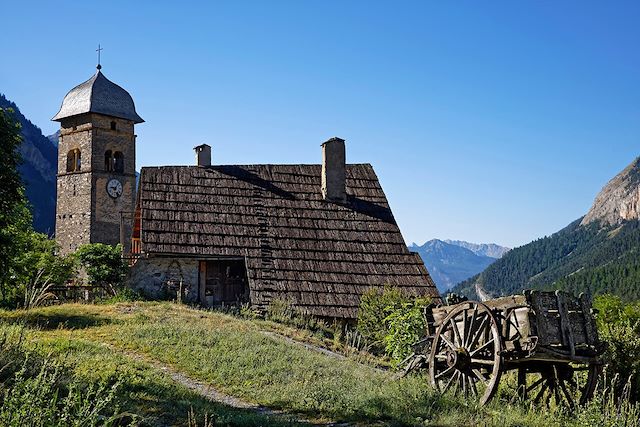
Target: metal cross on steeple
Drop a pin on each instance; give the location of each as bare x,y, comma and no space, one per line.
99,49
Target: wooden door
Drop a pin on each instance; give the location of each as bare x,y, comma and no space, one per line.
223,281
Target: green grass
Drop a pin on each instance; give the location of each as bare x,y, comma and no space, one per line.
236,357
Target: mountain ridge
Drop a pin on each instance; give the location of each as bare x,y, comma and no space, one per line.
449,263
596,253
38,170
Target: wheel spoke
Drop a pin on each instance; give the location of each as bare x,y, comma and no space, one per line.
467,336
445,372
465,327
534,385
540,393
567,394
449,343
451,381
482,347
465,392
479,331
474,389
480,376
456,332
456,385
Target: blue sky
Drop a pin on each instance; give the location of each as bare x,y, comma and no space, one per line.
485,121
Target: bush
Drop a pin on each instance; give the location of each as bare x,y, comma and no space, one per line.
104,265
125,294
619,327
405,325
375,306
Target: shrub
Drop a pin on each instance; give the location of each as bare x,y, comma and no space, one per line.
405,325
619,327
104,265
124,294
375,306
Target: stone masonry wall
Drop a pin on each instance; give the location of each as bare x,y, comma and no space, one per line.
159,278
74,189
105,226
84,210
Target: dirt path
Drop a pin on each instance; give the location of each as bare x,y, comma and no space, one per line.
199,387
482,294
208,392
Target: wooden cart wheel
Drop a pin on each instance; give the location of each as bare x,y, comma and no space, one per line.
559,383
466,353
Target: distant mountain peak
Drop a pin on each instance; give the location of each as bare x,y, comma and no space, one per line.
619,200
450,263
491,250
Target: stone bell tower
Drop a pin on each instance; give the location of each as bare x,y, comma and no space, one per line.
96,164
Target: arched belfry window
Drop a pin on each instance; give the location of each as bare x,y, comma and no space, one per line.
108,161
113,125
73,160
118,162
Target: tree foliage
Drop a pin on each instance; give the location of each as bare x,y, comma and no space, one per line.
619,326
28,260
11,190
103,264
593,259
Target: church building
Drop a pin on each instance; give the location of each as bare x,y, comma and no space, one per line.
316,235
96,182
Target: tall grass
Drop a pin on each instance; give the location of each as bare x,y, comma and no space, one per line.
235,356
43,392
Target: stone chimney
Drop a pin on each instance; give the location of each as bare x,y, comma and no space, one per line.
203,155
333,170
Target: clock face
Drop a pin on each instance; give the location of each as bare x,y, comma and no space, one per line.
114,188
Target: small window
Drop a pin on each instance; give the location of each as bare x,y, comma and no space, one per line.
118,162
73,160
108,161
113,125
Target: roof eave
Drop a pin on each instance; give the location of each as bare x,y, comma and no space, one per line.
135,119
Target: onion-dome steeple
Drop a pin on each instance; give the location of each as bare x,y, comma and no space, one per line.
98,95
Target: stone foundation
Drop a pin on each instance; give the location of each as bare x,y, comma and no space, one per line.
161,278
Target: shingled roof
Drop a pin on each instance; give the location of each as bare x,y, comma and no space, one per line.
320,255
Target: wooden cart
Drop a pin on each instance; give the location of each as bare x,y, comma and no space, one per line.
548,338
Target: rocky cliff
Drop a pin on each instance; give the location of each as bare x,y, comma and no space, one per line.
597,253
619,200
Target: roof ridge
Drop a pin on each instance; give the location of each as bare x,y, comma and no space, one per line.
249,165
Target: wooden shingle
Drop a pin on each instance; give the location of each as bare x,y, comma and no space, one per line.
322,255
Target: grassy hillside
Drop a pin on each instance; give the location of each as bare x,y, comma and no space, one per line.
577,258
128,341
